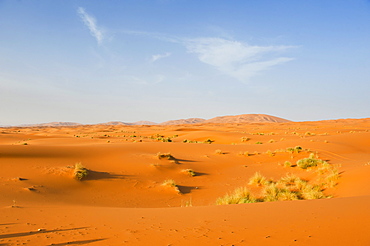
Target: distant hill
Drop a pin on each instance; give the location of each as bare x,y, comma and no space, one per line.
243,118
114,123
183,121
52,124
247,118
144,122
120,123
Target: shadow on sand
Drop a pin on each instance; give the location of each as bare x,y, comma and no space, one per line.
94,175
78,242
29,233
186,189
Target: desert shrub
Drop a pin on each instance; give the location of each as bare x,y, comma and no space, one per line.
287,164
270,153
209,141
272,192
80,171
310,192
296,149
311,161
289,179
239,196
219,152
332,178
167,156
258,179
189,172
171,184
244,139
245,153
259,143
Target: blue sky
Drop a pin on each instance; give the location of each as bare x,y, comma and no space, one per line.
96,61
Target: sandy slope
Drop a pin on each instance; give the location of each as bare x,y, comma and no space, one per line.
122,202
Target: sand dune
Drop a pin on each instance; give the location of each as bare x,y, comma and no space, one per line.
123,201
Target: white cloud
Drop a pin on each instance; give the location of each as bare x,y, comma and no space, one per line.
236,59
90,22
160,56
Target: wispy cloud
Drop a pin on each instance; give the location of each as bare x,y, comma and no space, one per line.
160,56
90,22
236,59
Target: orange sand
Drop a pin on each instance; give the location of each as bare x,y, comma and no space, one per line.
122,202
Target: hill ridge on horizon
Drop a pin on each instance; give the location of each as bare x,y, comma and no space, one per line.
242,118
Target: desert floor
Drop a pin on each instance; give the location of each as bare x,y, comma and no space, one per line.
122,200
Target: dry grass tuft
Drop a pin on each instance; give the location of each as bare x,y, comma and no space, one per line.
171,184
239,196
258,179
219,152
80,171
167,156
311,161
189,172
288,164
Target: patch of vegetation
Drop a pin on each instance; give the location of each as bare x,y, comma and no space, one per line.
311,161
287,188
239,196
171,184
258,179
270,153
296,149
167,156
80,172
245,153
287,164
209,141
219,152
189,172
244,139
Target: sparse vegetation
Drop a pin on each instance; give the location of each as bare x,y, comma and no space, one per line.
270,153
287,188
244,139
296,149
239,196
287,164
209,141
189,172
167,156
219,152
258,179
171,184
80,172
311,161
